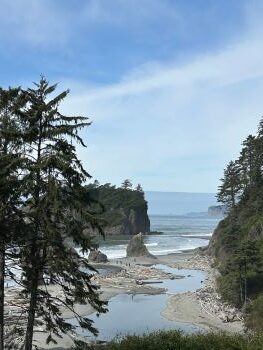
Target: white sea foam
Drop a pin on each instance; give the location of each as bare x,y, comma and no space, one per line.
151,244
179,234
119,251
197,235
114,253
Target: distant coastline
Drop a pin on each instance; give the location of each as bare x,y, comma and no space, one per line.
178,203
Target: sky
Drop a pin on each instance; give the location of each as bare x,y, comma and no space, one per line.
172,87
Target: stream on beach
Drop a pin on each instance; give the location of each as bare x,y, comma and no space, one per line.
141,313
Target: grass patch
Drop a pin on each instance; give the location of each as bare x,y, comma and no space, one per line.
175,340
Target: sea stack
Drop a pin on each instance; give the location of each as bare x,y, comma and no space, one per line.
137,248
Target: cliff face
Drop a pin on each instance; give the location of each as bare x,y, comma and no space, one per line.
124,210
129,222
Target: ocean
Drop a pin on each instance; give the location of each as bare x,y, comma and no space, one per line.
178,203
178,233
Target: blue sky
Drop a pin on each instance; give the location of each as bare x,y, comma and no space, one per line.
172,86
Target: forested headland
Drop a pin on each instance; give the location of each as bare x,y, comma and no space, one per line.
237,242
123,209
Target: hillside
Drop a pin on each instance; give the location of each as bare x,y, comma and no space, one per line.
237,243
124,210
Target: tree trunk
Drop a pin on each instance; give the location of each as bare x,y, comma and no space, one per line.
31,312
233,200
34,256
2,292
241,288
245,288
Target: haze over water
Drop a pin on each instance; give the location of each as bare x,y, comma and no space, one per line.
178,203
179,231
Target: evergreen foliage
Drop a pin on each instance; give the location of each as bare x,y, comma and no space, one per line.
11,184
53,201
254,315
238,241
229,191
114,202
139,188
127,184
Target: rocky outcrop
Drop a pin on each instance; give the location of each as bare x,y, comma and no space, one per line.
97,257
137,248
130,222
121,211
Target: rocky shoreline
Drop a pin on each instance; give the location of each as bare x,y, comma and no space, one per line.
210,310
132,279
202,307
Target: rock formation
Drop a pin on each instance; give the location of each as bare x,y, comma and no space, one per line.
124,210
97,257
131,221
137,248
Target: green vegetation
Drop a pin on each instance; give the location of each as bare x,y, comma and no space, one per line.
175,340
254,316
238,240
42,196
113,197
117,202
11,163
45,206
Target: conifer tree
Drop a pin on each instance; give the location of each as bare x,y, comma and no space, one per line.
57,214
96,184
139,188
246,257
251,161
127,185
11,163
231,188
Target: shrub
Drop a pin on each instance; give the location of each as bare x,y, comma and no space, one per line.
175,340
254,314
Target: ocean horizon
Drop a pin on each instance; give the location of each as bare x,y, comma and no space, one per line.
178,203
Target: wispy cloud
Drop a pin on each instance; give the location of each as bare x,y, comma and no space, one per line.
37,23
172,87
47,22
118,12
180,123
230,66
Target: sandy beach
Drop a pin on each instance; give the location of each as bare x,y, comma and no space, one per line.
202,307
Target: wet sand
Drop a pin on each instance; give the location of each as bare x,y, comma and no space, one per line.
186,308
190,307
